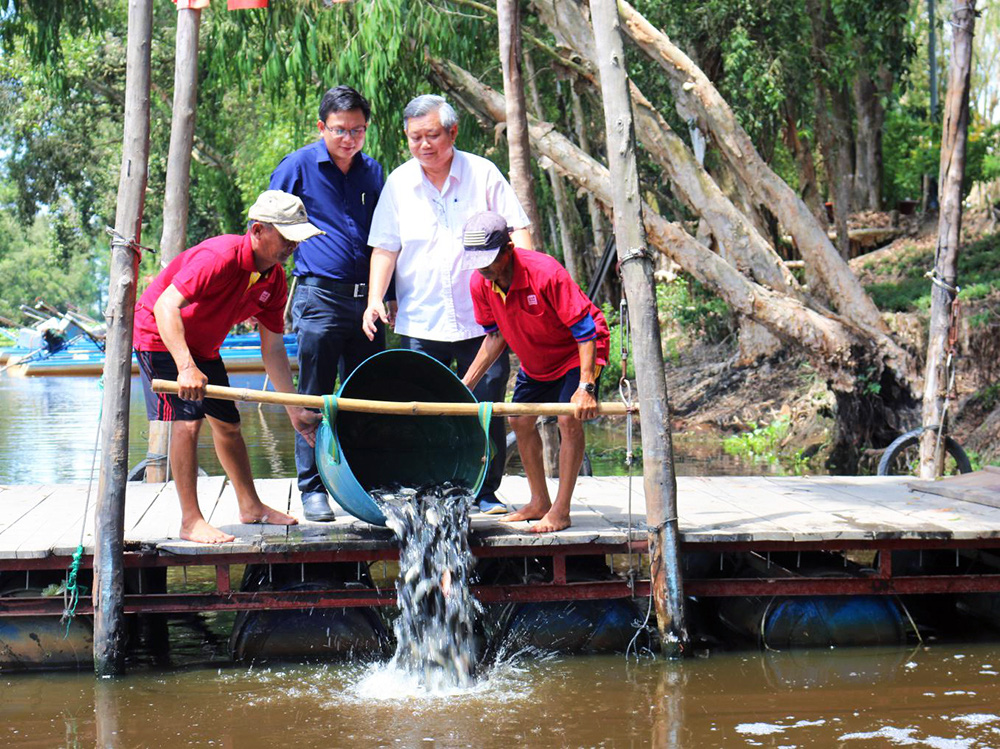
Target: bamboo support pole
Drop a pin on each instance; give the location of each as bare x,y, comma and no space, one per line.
660,486
109,564
399,408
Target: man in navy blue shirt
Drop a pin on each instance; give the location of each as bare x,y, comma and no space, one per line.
339,186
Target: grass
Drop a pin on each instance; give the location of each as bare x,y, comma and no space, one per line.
978,276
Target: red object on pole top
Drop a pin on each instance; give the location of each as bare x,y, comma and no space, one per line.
233,4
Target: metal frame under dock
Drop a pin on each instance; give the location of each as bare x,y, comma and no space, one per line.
40,528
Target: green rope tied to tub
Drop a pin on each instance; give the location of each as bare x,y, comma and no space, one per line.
485,415
330,417
71,589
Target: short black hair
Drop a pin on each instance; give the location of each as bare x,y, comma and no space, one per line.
343,99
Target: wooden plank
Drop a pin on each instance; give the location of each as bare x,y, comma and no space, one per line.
17,503
792,503
587,526
980,487
857,502
922,515
61,512
162,520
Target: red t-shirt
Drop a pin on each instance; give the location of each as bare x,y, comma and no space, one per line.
543,302
217,279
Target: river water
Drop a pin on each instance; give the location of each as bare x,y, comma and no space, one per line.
936,694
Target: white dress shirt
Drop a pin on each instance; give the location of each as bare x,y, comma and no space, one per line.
424,226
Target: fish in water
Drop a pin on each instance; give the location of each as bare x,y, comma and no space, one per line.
437,611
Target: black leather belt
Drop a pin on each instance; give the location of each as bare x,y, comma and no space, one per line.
355,290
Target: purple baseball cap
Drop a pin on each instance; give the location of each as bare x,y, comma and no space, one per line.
483,236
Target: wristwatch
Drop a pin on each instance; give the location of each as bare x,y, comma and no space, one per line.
587,387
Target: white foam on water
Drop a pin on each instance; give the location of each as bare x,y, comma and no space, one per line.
759,729
905,737
977,719
504,682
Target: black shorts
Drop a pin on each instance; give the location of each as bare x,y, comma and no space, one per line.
529,390
171,407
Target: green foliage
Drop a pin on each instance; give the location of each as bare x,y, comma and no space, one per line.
32,267
765,443
911,148
695,309
978,277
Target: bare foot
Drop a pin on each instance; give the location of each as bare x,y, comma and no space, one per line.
534,510
201,532
551,522
265,514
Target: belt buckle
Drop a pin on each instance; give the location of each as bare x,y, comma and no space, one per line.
359,290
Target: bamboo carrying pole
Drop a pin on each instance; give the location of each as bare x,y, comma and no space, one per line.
637,278
109,600
400,408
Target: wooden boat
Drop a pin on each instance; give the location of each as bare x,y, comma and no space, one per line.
82,357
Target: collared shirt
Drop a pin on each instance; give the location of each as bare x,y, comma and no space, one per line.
340,204
424,225
537,313
221,283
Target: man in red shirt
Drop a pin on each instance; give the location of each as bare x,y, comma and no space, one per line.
180,323
528,300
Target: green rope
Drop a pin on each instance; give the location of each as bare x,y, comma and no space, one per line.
330,417
71,590
485,415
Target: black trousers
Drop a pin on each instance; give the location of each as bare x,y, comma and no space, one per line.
331,342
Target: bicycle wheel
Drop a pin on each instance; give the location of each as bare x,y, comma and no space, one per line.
902,456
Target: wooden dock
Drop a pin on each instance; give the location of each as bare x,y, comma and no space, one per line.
40,528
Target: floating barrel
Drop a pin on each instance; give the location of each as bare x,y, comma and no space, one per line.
43,642
572,626
315,633
374,450
816,621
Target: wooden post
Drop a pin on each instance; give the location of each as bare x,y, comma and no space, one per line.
178,181
157,452
954,137
109,629
518,143
519,152
176,192
637,276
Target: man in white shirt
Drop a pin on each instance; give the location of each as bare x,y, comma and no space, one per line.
417,232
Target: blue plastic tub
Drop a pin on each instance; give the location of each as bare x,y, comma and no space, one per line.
374,450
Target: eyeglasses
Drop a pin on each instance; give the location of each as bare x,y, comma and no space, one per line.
354,132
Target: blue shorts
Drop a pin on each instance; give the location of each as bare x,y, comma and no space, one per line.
171,407
529,390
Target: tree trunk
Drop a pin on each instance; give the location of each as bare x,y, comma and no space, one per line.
805,164
691,183
868,143
840,171
519,147
954,138
178,180
567,219
832,344
698,96
593,209
109,623
637,276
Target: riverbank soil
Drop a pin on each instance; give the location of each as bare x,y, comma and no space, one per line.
711,391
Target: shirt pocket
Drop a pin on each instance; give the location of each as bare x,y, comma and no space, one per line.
461,211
